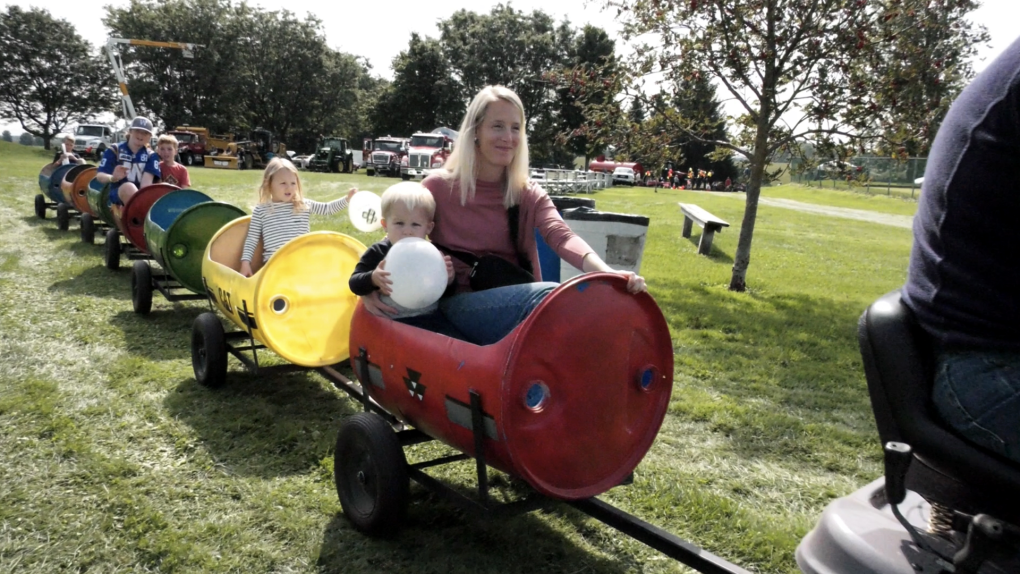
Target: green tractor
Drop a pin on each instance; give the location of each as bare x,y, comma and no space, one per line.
332,155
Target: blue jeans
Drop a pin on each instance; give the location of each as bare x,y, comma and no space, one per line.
485,317
978,394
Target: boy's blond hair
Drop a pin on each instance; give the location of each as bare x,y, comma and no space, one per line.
412,195
167,138
266,190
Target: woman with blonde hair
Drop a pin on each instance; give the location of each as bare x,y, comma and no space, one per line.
486,207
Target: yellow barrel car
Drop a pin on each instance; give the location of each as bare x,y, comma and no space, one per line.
297,305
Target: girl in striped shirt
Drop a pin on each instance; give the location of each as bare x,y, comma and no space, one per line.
282,212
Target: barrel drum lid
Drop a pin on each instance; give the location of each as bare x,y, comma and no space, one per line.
80,189
135,211
50,178
68,181
99,202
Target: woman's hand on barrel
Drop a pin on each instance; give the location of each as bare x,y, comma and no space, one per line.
635,282
592,262
246,269
375,306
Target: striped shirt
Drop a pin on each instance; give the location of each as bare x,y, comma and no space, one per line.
277,223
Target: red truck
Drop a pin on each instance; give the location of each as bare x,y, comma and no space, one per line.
192,144
427,151
384,155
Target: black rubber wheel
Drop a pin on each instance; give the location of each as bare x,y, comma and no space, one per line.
208,351
249,161
113,250
371,475
189,160
141,287
63,217
405,176
369,172
88,229
40,206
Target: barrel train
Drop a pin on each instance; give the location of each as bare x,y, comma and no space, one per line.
560,386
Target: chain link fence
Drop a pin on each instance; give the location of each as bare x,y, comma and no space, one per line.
869,173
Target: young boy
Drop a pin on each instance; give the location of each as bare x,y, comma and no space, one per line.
407,211
170,171
129,165
65,155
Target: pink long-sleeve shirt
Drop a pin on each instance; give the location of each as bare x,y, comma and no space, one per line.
481,226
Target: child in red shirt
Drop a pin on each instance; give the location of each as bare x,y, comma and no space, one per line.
171,171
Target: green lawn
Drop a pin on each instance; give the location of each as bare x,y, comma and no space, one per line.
115,460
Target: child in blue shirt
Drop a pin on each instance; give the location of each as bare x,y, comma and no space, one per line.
130,165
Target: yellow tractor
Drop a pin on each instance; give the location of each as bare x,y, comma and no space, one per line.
253,153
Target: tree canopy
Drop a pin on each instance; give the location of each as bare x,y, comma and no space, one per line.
255,69
424,94
798,69
51,78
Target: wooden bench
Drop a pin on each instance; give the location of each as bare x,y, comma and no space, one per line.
708,222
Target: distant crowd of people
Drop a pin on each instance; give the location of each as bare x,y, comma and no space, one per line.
694,178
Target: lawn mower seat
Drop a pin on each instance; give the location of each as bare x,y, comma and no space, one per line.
899,364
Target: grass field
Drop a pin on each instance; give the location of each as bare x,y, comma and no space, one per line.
115,460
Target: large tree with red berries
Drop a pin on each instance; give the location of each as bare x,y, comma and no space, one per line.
799,70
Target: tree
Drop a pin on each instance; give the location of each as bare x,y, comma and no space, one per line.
423,96
592,58
696,98
794,66
923,64
636,115
509,48
50,77
282,75
166,85
7,137
26,138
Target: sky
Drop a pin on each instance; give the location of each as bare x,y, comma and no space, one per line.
357,27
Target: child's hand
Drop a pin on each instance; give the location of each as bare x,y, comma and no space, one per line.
119,173
381,278
246,269
449,269
351,193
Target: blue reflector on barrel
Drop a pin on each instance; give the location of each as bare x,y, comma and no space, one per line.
646,378
536,395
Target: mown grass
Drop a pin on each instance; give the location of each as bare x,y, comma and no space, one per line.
115,460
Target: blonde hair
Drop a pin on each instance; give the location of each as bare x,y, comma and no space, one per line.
266,189
462,165
412,196
167,139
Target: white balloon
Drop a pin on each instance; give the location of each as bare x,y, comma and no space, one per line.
418,273
365,210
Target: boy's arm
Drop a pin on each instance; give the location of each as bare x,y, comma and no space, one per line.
104,173
186,180
361,280
151,173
